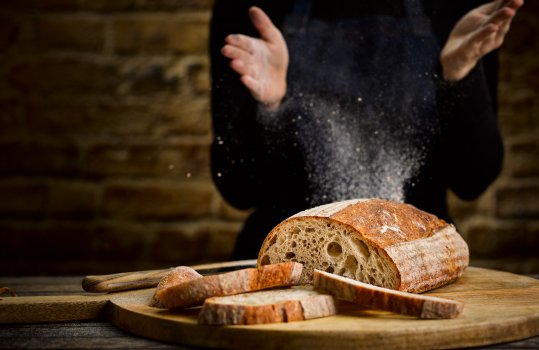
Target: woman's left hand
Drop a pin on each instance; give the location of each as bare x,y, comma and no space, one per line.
479,32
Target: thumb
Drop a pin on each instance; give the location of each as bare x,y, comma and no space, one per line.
264,25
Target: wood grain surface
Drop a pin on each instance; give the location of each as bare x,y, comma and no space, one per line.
499,307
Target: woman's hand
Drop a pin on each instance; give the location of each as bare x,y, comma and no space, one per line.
479,32
262,63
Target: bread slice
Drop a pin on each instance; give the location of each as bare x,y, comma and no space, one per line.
373,297
177,276
194,292
271,306
384,243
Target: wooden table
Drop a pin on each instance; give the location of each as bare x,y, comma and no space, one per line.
100,334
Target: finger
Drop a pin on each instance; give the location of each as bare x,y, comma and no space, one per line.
510,12
514,4
490,7
512,9
501,16
484,33
264,25
241,41
240,67
478,40
234,52
504,29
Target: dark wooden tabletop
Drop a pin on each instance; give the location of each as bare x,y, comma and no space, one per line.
100,334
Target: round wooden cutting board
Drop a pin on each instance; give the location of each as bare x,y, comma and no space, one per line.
499,307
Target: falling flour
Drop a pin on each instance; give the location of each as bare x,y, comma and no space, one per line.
350,155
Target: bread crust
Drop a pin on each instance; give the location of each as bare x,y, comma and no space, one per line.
295,304
194,292
419,251
431,262
373,297
177,276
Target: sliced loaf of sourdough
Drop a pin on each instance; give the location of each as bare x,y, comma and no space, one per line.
270,306
195,291
384,243
378,298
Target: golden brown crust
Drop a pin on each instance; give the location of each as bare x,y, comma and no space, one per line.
177,276
378,298
277,305
216,314
386,223
431,262
194,292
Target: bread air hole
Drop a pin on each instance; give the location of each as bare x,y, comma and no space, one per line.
334,249
290,255
265,260
351,264
361,247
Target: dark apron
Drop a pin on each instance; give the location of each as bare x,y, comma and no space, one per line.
364,100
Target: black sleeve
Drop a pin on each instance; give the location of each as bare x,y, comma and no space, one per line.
240,164
472,147
472,144
233,155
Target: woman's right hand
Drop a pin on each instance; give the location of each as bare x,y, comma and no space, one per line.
262,63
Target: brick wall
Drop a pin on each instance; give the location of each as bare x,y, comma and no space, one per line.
104,136
105,129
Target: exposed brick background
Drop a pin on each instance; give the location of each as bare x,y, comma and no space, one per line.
105,133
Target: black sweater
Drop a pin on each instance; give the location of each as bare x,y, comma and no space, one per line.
332,141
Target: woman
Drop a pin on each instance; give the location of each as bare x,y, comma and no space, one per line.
319,101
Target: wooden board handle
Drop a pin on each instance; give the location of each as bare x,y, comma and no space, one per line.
123,281
149,279
53,308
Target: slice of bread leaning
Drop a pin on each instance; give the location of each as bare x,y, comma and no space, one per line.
193,292
384,243
378,298
270,306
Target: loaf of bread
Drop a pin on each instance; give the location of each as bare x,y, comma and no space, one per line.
196,291
271,306
378,298
178,275
384,243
